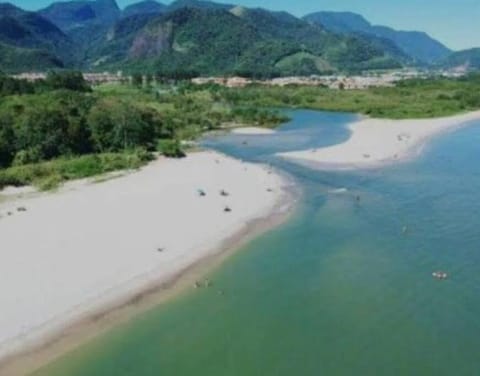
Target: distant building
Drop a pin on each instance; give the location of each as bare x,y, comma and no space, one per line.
103,78
209,80
237,82
32,77
332,82
92,78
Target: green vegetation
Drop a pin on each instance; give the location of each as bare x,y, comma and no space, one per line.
48,175
16,59
303,63
185,111
250,42
60,129
61,117
171,148
72,81
409,99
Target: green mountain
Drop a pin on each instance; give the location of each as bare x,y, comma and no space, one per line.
144,7
469,59
214,40
76,14
195,36
28,35
418,45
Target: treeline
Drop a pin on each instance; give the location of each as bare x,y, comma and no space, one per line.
54,81
62,117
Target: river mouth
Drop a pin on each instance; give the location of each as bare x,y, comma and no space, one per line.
344,287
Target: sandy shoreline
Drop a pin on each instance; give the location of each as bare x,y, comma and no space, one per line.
252,131
378,142
77,256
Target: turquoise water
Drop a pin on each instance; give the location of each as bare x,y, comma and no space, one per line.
339,289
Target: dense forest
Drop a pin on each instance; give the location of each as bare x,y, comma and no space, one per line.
60,116
47,125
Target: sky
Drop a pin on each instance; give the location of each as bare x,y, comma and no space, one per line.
453,22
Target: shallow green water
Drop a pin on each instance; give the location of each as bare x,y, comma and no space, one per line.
339,289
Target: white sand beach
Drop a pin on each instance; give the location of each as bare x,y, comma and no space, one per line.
377,142
63,255
253,131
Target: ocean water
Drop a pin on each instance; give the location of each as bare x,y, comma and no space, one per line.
342,288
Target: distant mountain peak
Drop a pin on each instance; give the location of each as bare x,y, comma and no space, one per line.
8,9
144,7
73,14
108,4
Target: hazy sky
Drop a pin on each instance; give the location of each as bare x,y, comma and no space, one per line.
456,23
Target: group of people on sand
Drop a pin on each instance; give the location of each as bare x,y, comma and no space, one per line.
223,193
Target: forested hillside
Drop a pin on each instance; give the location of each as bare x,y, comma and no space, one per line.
198,36
251,42
206,38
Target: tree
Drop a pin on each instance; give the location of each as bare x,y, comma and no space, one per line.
43,133
149,79
137,79
7,141
159,77
116,125
70,80
171,149
10,86
101,126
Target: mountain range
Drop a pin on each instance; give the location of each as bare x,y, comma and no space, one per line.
207,38
418,45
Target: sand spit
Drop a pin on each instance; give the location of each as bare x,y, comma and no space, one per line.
377,142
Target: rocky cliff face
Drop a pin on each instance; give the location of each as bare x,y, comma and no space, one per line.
153,41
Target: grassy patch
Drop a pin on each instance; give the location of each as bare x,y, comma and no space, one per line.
292,62
410,99
49,175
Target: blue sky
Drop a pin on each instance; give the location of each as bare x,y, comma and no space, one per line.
456,23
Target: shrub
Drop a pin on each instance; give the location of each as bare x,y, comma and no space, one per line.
171,148
48,175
